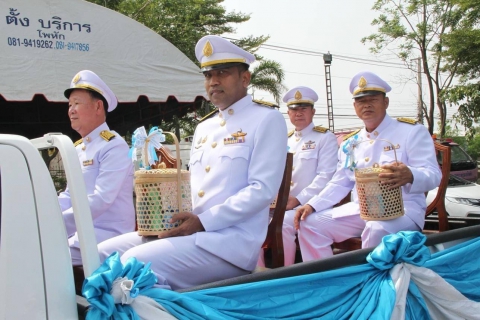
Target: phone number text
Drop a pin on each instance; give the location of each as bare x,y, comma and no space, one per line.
48,44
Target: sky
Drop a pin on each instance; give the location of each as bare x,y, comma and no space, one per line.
302,30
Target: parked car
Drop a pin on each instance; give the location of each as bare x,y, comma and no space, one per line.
462,164
462,198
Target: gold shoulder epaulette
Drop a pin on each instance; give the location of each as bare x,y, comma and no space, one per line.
107,135
407,120
208,115
265,103
290,133
351,134
78,142
320,129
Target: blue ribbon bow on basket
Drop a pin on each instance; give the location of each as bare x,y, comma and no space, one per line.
146,144
348,149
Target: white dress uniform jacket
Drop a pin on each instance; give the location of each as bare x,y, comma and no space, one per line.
414,147
314,161
236,164
108,174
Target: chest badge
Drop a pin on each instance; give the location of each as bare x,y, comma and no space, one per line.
388,148
237,137
201,141
309,145
87,162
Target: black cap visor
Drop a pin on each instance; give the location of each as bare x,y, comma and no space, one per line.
222,66
367,93
298,105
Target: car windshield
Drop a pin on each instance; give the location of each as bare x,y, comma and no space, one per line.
455,181
459,155
460,160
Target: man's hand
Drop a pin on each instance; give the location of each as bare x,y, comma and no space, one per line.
191,224
300,214
292,202
400,175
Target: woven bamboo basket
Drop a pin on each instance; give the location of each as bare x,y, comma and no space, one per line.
377,201
160,194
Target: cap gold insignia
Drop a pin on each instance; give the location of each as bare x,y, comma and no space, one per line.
207,49
362,83
298,95
76,78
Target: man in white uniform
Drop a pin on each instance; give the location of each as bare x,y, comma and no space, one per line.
416,172
314,151
236,164
106,166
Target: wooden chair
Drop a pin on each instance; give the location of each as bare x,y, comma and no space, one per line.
437,205
274,239
165,156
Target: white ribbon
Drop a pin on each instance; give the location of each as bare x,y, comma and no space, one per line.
145,307
154,139
442,299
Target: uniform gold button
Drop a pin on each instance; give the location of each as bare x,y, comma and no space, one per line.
207,168
231,111
367,159
214,144
297,139
371,141
84,147
88,139
291,183
201,193
222,123
293,168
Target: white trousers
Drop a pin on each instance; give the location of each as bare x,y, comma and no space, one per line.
75,254
319,230
177,262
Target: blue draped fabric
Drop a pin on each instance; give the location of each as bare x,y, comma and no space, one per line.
357,292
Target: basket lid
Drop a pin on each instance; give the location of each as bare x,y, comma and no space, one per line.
166,171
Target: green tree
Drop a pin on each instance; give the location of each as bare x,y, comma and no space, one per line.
183,23
462,51
470,144
268,76
412,28
473,147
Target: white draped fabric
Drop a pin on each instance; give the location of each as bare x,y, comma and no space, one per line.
442,299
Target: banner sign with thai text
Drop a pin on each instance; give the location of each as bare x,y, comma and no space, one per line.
44,43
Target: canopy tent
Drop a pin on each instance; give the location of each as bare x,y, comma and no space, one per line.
46,42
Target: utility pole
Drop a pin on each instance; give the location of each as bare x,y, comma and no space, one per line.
327,58
419,82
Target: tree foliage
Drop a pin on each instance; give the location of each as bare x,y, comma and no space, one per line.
415,28
462,50
183,23
268,76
